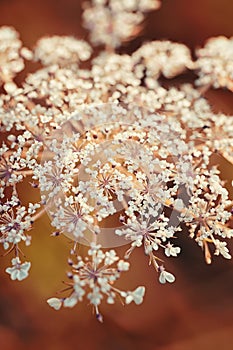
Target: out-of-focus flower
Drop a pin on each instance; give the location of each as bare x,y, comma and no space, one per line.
162,57
55,303
12,55
62,50
215,64
113,22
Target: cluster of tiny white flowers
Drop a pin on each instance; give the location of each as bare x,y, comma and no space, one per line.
62,50
115,70
12,55
94,277
215,64
112,22
111,144
206,214
15,221
162,57
217,134
152,234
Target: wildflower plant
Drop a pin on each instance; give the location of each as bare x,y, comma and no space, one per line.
117,158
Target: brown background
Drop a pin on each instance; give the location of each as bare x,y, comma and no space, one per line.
196,312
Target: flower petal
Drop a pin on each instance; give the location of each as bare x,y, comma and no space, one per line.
55,303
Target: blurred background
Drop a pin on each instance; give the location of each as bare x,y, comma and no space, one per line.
196,312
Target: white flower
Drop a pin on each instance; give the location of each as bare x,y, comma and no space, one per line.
171,251
164,57
110,257
215,62
64,51
14,221
70,302
95,296
94,277
55,303
110,300
166,276
123,265
19,271
79,291
221,249
136,296
178,203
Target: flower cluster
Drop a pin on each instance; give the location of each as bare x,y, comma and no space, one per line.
94,277
162,57
215,63
116,157
115,21
62,50
12,55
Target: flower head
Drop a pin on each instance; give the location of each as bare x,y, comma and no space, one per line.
118,153
11,55
64,51
214,63
95,277
117,22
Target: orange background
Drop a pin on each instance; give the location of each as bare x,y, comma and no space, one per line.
196,312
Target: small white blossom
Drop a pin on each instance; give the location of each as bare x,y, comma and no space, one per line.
70,302
166,276
19,271
123,265
110,257
220,248
136,296
55,303
171,251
